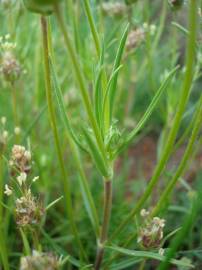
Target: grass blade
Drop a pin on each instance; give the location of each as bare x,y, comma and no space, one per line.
98,97
116,65
148,255
110,83
61,106
149,110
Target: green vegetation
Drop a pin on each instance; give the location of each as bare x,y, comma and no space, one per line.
100,134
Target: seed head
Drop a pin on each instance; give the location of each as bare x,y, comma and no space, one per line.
28,209
40,261
10,67
114,9
151,232
21,158
22,178
135,38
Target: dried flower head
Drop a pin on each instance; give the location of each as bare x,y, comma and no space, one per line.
135,38
20,158
116,9
28,209
151,232
40,261
10,67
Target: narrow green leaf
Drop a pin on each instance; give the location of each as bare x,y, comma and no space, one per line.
98,97
181,28
61,106
53,203
59,250
95,154
116,65
148,255
25,243
110,83
98,94
125,263
149,111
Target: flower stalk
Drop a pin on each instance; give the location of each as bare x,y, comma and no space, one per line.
105,224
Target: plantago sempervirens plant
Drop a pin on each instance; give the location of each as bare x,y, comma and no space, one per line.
99,134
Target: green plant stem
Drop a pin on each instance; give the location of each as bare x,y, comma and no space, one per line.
65,178
142,265
183,163
35,238
27,249
84,185
14,104
80,79
73,21
3,249
186,87
105,224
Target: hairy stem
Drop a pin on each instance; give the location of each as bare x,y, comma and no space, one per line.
14,104
105,224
